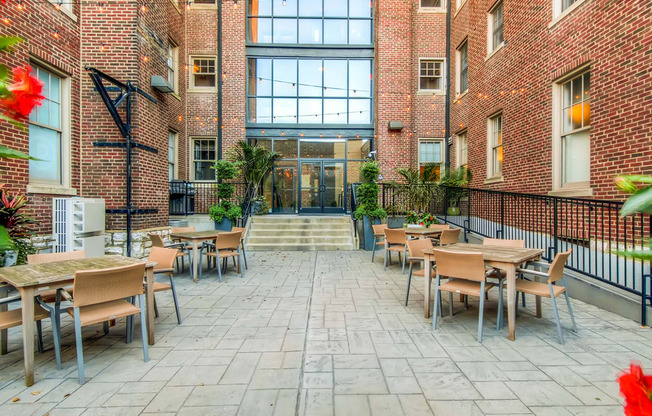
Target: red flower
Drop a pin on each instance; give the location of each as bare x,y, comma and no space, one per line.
636,388
26,94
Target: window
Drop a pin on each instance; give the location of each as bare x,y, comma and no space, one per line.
425,4
173,154
576,129
309,91
430,158
204,155
462,150
310,22
565,4
48,131
431,75
203,73
173,64
463,67
495,27
460,3
495,162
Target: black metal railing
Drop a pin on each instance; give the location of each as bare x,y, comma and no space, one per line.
593,229
353,205
188,198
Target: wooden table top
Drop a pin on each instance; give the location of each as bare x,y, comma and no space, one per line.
494,253
197,235
422,230
60,271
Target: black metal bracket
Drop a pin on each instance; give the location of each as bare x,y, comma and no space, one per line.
122,144
132,211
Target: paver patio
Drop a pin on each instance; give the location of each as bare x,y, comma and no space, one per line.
323,333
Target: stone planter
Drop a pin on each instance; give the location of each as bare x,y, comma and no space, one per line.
368,232
224,225
395,222
10,258
453,211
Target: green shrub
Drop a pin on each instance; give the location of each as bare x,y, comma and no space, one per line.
367,193
225,207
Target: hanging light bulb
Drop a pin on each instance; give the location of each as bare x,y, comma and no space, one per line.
143,7
55,34
235,4
102,46
285,2
19,5
6,20
58,6
101,6
188,5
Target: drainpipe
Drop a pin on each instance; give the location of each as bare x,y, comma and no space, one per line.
447,125
220,77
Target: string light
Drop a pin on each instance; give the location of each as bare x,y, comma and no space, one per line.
145,58
6,20
143,7
285,2
55,34
19,5
235,4
101,7
102,46
188,5
180,118
58,6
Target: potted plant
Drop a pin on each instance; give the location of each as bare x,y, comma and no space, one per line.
369,210
427,219
225,211
17,226
454,181
412,219
255,163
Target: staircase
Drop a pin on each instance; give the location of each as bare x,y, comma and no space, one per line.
300,233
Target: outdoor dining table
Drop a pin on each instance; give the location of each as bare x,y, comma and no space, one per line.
423,232
30,280
504,258
195,238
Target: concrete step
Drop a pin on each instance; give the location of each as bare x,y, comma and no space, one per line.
300,239
298,247
275,232
289,227
304,221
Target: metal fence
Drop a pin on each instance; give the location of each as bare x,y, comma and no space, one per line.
592,228
188,198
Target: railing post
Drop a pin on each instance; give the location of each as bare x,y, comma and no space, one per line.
555,226
644,298
467,229
502,216
186,198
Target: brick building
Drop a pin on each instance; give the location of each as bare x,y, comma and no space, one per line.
320,82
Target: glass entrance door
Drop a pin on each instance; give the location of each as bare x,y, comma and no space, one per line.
322,187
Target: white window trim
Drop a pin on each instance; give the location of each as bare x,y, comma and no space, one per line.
578,189
175,66
460,3
65,188
66,8
191,74
175,174
458,68
458,148
558,15
491,50
191,159
440,9
491,176
444,67
430,140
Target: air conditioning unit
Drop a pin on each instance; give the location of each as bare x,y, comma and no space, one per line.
78,224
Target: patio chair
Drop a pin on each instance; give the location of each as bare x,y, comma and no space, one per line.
226,245
449,236
395,240
467,276
157,241
99,296
51,295
499,274
14,317
415,249
549,289
242,246
435,239
165,257
379,233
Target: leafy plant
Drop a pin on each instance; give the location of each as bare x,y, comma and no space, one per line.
454,180
412,217
15,224
255,162
260,206
640,201
367,193
427,219
416,187
225,207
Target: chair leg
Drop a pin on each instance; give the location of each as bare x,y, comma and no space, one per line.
80,347
183,265
481,312
244,255
404,256
570,311
373,251
450,303
240,263
156,306
500,317
176,300
466,301
39,330
219,269
554,306
437,300
385,261
407,294
523,299
143,326
105,325
56,339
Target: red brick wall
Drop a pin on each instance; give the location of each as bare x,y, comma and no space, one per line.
534,57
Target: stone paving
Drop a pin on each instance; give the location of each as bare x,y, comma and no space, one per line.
328,333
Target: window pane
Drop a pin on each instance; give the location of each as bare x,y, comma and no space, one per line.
323,148
360,111
335,32
358,149
203,171
260,110
359,32
310,77
54,89
587,85
565,4
259,7
576,116
431,3
334,111
310,111
311,8
359,78
285,31
285,77
566,92
334,79
260,30
285,7
286,147
498,160
260,75
335,8
55,115
285,110
310,31
43,112
359,8
577,150
263,143
577,90
45,144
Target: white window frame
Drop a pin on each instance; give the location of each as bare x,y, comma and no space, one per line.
491,48
493,174
192,73
173,65
436,9
571,189
65,6
559,14
458,67
441,152
64,187
442,61
173,161
460,3
462,137
193,160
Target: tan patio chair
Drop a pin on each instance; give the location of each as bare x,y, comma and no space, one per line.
395,240
165,257
182,253
379,237
415,249
449,236
242,246
549,289
51,295
435,239
100,295
499,274
226,245
467,276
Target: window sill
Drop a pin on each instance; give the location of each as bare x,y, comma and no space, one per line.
176,96
432,10
65,11
462,95
431,92
496,49
50,189
459,8
196,6
571,191
202,90
565,13
494,179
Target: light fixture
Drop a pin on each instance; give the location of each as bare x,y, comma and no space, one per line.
143,7
285,2
235,4
102,46
19,5
188,5
101,6
55,34
58,6
6,20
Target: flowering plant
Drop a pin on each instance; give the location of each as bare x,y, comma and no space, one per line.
636,388
427,219
412,217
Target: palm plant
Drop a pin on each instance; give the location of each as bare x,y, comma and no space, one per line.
255,163
416,188
639,202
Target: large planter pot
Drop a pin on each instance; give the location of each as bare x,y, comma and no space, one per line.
395,222
368,232
453,211
10,258
224,225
